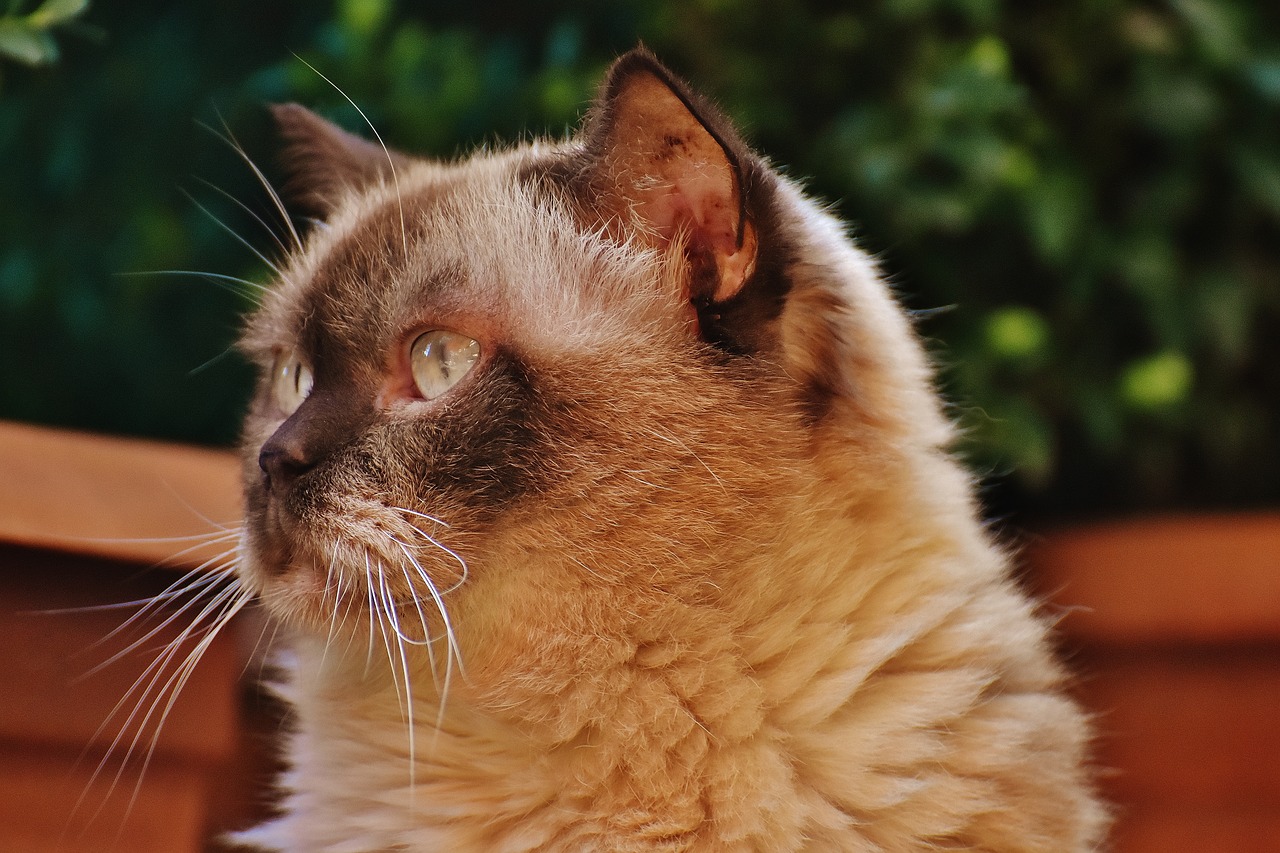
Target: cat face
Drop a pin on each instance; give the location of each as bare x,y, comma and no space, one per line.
479,364
562,367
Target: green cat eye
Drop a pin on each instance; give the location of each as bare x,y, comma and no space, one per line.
439,359
290,381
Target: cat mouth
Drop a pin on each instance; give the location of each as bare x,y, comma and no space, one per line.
311,574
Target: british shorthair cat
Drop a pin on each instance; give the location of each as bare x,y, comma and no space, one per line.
603,492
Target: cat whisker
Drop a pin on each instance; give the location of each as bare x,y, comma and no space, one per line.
331,581
192,584
174,590
252,214
452,649
462,564
152,672
417,514
218,566
235,234
427,639
393,620
349,604
174,686
373,611
391,163
229,138
153,683
200,540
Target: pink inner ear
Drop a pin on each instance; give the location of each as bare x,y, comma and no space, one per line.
677,177
697,200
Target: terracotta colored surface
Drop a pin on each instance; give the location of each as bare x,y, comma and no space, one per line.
39,813
82,520
62,658
1173,626
64,701
1189,580
1198,730
113,497
1181,830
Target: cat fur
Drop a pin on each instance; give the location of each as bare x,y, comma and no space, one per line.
725,587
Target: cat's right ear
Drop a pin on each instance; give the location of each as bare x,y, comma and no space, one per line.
326,163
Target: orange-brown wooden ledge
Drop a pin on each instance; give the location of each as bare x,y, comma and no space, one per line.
122,498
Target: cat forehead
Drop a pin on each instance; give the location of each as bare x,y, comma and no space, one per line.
483,242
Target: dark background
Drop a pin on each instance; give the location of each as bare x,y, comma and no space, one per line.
1081,201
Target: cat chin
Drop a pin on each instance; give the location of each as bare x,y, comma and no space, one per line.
289,589
338,599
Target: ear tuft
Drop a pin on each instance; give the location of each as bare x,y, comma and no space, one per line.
670,167
325,162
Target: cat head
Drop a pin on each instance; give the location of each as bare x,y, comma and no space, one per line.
612,362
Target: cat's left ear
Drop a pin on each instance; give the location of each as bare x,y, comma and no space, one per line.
325,162
666,164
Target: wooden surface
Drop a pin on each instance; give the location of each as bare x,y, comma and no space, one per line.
113,497
1173,625
83,521
72,747
1190,579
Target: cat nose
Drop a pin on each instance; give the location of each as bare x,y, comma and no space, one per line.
281,464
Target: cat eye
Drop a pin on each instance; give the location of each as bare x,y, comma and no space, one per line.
439,359
291,381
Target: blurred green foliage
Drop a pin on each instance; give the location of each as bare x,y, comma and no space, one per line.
27,37
1081,201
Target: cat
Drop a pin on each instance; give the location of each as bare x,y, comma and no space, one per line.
603,490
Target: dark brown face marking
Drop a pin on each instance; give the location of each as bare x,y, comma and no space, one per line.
482,448
492,446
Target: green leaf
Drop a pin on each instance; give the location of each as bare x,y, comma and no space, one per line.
1157,382
1020,435
1216,27
28,46
1260,174
1264,76
365,18
990,56
54,12
1016,334
1058,209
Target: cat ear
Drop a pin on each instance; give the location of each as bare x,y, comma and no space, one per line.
666,163
325,162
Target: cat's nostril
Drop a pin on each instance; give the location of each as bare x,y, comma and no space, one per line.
281,465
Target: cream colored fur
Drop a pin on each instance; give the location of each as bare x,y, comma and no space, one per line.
729,627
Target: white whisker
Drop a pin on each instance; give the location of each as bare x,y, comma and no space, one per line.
431,518
252,214
373,611
174,686
427,641
442,547
331,579
230,139
452,650
225,227
226,281
199,584
391,164
152,682
393,618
